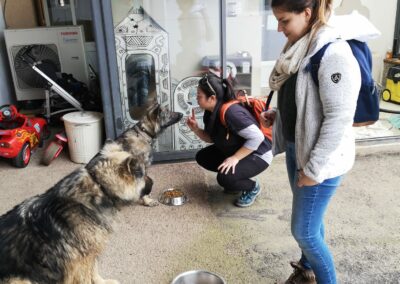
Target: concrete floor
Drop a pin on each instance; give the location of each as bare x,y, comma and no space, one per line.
244,245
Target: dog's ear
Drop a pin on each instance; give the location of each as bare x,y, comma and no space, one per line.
154,111
152,104
133,167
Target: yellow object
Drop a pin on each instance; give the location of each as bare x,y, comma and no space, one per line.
392,91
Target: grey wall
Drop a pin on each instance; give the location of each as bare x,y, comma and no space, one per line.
7,95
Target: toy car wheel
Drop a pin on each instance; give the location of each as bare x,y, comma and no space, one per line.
23,157
52,151
386,95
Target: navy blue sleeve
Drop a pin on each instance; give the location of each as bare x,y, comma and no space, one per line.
237,117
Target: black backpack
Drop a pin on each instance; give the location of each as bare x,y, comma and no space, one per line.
367,110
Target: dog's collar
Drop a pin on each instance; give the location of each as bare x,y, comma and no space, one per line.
140,129
102,188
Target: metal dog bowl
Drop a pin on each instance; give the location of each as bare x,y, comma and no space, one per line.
198,277
173,197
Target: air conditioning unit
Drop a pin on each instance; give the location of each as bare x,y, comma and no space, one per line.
62,46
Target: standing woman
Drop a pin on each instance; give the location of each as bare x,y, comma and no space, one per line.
313,125
239,151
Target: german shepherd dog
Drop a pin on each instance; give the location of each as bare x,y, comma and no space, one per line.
56,237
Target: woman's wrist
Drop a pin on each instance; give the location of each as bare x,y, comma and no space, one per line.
197,130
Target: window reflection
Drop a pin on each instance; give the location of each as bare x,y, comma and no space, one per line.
140,79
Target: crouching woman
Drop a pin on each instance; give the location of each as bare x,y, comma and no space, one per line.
240,150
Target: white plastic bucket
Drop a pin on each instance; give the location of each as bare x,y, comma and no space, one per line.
84,131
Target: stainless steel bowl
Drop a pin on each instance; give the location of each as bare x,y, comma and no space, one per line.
173,197
198,277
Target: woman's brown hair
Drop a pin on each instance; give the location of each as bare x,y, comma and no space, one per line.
321,9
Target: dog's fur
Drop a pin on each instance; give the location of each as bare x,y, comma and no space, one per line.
56,237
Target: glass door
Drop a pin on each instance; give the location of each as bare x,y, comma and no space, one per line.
253,44
163,47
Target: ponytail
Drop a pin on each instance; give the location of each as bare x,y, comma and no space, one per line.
322,11
229,93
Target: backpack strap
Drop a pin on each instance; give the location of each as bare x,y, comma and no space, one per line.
315,61
223,110
268,100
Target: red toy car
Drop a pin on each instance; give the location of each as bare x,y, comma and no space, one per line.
19,135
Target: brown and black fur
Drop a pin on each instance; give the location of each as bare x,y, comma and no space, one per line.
56,237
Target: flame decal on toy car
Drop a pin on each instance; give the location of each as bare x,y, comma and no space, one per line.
22,135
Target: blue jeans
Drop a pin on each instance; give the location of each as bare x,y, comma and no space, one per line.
308,209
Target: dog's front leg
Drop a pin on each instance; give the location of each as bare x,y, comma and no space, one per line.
97,279
146,199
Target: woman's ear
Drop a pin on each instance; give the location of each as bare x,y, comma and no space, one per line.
308,13
213,98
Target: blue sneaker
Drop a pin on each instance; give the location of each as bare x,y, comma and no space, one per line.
248,197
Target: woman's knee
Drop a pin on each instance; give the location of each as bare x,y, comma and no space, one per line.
201,158
225,180
305,238
222,181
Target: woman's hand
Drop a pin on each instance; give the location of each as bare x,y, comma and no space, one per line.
192,123
268,118
305,180
229,163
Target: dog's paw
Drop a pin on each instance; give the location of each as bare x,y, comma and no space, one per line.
147,201
152,203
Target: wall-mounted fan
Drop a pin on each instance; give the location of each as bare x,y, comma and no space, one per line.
50,64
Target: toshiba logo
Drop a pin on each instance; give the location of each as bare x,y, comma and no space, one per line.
68,33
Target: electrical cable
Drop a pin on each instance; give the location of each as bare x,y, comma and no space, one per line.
389,111
4,13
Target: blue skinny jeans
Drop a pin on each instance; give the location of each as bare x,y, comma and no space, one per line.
307,225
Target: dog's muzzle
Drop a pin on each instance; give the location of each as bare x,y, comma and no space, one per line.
148,186
174,118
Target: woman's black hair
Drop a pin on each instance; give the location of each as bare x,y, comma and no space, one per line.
211,85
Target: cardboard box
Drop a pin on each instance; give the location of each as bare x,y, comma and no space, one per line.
20,14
